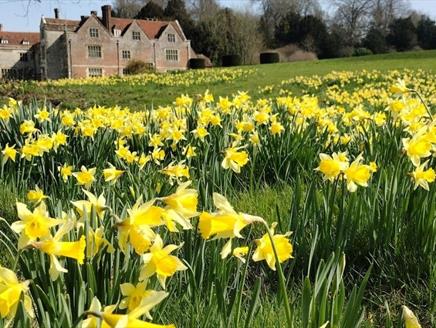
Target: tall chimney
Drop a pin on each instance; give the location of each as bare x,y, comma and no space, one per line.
1,27
56,12
106,13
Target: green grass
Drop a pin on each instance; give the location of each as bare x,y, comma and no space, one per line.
8,213
139,97
385,293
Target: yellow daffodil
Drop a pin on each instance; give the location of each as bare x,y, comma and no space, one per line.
6,113
410,320
9,153
423,177
130,320
416,148
159,261
136,296
92,321
85,177
27,127
136,228
240,252
54,247
332,166
226,223
357,174
158,155
65,171
59,139
276,128
189,151
11,291
264,250
182,205
183,101
177,171
95,241
43,115
200,132
33,225
111,174
143,160
235,159
36,195
399,88
133,295
85,206
255,139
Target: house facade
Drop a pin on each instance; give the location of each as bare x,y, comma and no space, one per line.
102,46
19,55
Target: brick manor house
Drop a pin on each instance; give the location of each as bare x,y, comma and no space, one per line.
92,46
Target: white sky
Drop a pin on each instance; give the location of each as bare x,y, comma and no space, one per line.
18,15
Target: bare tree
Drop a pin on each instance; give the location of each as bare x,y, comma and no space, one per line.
201,10
275,10
128,8
353,16
385,11
249,38
280,8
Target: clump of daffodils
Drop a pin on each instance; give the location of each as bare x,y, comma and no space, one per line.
338,166
226,223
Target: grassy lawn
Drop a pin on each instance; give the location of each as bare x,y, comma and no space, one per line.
140,97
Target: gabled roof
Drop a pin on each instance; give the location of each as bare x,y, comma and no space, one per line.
56,24
17,38
151,28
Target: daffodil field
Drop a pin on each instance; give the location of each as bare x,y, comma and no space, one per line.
268,208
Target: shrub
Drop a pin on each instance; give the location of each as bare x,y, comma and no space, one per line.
135,66
346,52
292,52
362,52
269,57
196,63
426,31
231,60
375,41
403,34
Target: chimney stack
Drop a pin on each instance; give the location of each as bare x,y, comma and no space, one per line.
106,13
56,12
1,27
93,13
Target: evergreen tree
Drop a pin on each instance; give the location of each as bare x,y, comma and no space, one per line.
426,31
150,10
375,41
176,9
402,34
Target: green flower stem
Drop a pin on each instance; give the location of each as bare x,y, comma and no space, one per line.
424,103
14,268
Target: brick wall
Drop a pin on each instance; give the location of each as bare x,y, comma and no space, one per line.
65,46
163,44
112,60
54,60
79,43
12,65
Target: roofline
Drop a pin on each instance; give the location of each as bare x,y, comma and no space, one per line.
181,29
